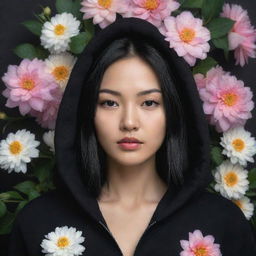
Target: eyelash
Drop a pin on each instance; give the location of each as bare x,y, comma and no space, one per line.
103,102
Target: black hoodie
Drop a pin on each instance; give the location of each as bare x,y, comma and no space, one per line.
178,213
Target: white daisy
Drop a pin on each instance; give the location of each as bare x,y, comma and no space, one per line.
57,32
64,241
48,138
60,66
238,145
231,180
245,205
17,150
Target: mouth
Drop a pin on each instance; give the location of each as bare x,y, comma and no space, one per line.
129,140
130,145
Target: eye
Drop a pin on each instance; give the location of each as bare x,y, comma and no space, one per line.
150,101
105,101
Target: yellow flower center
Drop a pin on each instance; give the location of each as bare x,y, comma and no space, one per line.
231,179
59,30
62,242
230,99
15,147
187,35
60,73
200,251
27,83
151,4
238,144
238,203
105,3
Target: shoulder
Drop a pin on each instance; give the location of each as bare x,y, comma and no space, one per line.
222,211
47,202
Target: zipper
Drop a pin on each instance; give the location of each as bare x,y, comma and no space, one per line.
150,225
136,248
106,228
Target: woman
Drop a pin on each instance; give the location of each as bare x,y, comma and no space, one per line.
117,196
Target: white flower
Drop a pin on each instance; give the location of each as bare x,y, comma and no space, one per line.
60,66
231,180
57,32
245,205
238,145
64,241
48,138
17,150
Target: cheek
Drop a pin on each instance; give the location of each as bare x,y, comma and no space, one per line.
104,124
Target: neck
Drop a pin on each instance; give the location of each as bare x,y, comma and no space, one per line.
132,185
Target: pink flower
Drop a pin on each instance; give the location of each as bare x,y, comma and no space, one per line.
242,36
47,118
29,86
187,36
226,101
103,12
199,245
214,73
154,11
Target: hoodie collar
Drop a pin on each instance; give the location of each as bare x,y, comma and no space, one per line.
198,176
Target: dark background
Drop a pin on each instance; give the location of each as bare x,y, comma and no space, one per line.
12,33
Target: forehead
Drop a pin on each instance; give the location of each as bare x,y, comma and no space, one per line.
130,74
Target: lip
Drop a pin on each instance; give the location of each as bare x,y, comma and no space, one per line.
129,140
129,145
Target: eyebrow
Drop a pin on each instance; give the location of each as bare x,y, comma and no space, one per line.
138,94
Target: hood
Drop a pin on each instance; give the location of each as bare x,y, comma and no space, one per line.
67,124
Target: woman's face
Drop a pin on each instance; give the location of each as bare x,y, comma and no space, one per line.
124,111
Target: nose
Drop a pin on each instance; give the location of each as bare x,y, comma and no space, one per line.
129,120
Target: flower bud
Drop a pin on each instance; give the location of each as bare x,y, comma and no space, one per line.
47,11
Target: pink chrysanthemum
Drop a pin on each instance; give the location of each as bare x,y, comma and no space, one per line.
28,85
187,36
227,102
242,36
103,12
154,11
214,73
199,245
47,118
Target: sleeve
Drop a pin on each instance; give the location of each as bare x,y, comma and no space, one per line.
246,235
16,245
242,235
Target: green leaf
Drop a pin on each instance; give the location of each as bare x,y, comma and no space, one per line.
21,205
64,6
211,9
252,178
26,187
89,27
192,4
10,195
220,27
76,9
41,53
2,209
43,171
29,51
204,65
217,157
250,193
221,43
25,51
33,194
33,26
79,42
6,223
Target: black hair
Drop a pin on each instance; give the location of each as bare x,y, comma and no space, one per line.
172,156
